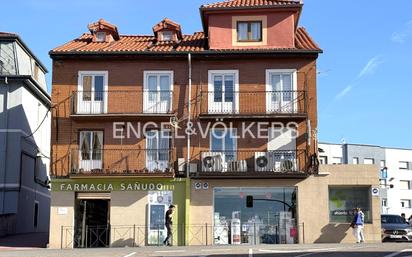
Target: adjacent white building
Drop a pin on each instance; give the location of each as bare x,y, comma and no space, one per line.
24,139
399,180
393,164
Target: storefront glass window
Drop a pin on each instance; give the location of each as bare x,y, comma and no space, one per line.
342,201
271,220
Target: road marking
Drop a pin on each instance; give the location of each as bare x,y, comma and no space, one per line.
305,254
215,250
171,251
250,252
300,251
130,254
397,253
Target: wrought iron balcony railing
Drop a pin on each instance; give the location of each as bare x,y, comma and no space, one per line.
253,103
121,102
121,162
252,163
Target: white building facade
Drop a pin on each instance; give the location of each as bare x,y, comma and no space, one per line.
24,139
394,166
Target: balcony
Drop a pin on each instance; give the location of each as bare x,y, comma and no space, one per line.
121,103
121,162
260,104
252,164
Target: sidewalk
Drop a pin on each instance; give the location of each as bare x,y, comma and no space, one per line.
30,240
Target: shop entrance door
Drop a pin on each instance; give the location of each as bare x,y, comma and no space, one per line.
92,224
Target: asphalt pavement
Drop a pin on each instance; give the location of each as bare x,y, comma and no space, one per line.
322,250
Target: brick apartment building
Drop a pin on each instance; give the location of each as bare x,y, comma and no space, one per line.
121,154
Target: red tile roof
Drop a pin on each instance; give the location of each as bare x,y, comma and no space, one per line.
148,44
251,3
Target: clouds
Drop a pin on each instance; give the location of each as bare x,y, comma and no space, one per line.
371,66
401,36
369,69
344,92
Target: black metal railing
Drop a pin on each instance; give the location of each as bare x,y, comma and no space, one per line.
249,233
121,161
243,162
253,103
121,102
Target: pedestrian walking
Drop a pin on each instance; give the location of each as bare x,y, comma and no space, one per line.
169,223
358,225
403,217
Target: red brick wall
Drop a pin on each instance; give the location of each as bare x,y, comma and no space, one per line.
127,74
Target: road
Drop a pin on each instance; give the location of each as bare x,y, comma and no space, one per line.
323,250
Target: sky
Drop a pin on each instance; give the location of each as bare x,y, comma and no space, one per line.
364,81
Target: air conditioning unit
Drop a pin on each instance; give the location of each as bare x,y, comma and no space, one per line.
212,162
288,166
263,161
237,166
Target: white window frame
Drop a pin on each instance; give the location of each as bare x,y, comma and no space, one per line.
404,162
90,163
369,159
146,74
407,181
269,72
337,163
165,34
94,73
407,201
235,73
323,158
159,133
98,39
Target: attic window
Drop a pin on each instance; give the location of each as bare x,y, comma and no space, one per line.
249,31
167,35
100,36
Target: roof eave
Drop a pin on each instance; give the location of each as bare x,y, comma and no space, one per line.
202,9
35,86
54,55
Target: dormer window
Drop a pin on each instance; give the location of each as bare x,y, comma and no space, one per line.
249,31
103,31
100,36
167,35
167,30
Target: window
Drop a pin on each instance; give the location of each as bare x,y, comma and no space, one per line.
167,35
355,160
280,91
36,214
249,31
405,203
342,201
157,155
405,185
91,150
36,72
384,202
258,223
323,159
224,141
158,87
92,92
336,160
100,36
369,161
403,165
223,91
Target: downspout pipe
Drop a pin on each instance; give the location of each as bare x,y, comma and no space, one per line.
189,60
